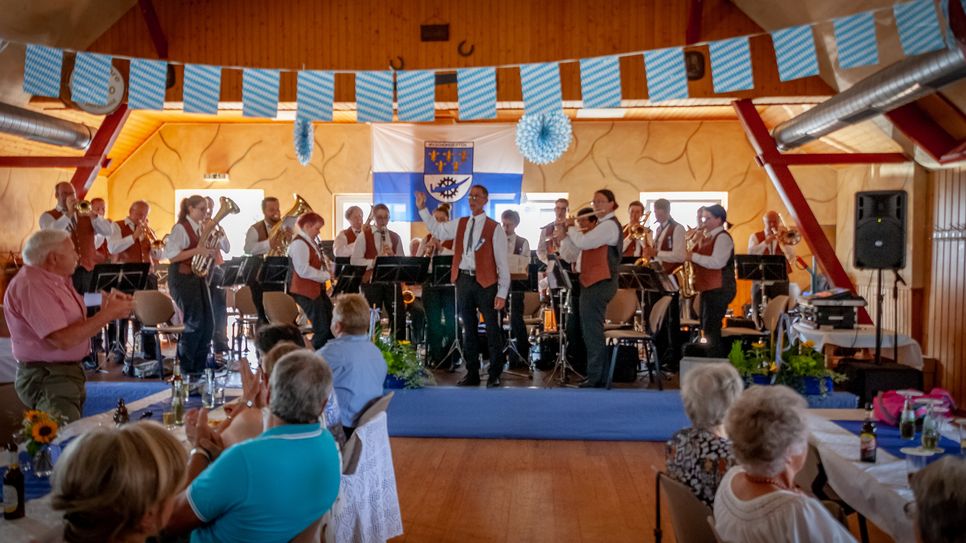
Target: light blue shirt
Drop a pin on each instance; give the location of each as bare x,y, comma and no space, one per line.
358,374
269,488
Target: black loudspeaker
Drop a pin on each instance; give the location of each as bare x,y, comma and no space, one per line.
867,379
880,229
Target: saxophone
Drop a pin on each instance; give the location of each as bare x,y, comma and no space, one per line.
211,237
684,274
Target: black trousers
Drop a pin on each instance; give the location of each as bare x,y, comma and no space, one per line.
470,298
714,305
192,295
518,329
81,279
257,293
319,312
219,310
442,327
576,348
382,295
117,333
593,307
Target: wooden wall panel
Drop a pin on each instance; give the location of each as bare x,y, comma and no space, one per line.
366,34
945,322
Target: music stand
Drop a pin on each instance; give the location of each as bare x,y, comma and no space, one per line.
348,279
126,278
766,269
230,272
565,280
522,283
273,274
339,263
399,269
249,270
439,270
439,276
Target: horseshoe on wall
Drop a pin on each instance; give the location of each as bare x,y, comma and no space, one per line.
459,49
392,63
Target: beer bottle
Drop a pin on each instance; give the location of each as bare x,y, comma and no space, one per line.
867,438
907,421
13,487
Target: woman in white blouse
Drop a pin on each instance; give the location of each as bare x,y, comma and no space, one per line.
310,271
757,501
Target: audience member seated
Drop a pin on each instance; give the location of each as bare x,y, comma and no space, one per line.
358,367
271,335
700,456
940,507
118,484
272,487
757,501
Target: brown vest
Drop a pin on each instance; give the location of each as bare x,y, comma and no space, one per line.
83,237
371,251
350,235
631,248
485,260
306,287
760,237
518,245
102,254
448,244
185,265
710,279
261,229
138,252
667,244
599,264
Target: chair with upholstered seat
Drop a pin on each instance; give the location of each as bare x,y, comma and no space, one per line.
654,323
154,309
688,513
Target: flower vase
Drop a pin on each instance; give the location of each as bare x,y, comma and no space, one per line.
816,386
758,379
394,382
42,463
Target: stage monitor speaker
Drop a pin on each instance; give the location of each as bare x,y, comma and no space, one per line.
880,229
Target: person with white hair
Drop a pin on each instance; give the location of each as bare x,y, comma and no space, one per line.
757,501
49,327
940,506
700,456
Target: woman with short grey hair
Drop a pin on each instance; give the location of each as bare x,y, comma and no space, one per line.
699,456
757,500
940,490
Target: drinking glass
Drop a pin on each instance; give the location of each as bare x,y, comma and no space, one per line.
916,459
167,417
961,424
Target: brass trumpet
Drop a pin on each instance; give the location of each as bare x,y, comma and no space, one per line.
83,208
408,296
788,236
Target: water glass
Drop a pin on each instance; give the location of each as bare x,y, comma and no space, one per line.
916,459
167,417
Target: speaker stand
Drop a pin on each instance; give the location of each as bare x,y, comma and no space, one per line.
878,318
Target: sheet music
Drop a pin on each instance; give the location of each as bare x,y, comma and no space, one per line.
518,263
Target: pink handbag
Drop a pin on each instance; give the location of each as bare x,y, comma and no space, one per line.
887,406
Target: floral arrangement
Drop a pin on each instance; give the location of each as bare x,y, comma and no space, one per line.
754,364
39,430
801,363
402,361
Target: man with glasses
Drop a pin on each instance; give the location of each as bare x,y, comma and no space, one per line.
482,279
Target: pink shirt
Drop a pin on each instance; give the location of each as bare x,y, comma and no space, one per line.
38,303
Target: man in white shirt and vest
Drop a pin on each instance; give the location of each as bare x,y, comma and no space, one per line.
258,244
714,275
669,251
482,279
634,247
766,242
345,242
374,242
129,243
517,248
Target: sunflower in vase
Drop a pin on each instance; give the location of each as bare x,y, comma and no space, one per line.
39,430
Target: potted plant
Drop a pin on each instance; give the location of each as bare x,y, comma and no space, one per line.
754,365
403,369
803,368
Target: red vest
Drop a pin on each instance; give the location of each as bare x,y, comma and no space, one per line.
185,265
667,244
760,237
706,278
139,251
448,244
631,248
371,251
83,237
485,260
595,264
350,235
306,287
102,254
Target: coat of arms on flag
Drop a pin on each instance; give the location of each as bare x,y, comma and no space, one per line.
448,169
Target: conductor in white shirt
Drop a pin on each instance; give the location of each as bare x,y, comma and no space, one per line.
482,280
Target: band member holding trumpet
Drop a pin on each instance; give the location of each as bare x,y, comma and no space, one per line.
769,242
133,241
378,241
190,290
634,246
345,241
600,255
310,270
102,253
79,219
713,260
482,280
547,244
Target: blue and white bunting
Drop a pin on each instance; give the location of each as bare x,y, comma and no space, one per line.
148,83
416,91
541,88
795,52
91,79
855,40
316,90
374,97
918,27
202,88
41,75
600,82
260,93
667,78
476,89
731,65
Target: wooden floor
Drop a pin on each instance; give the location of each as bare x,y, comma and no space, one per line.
464,490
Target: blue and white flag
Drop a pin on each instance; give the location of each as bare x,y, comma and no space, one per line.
600,82
42,68
148,82
260,93
476,88
918,27
795,52
444,162
91,79
374,97
417,96
731,65
667,77
316,90
541,87
202,88
855,40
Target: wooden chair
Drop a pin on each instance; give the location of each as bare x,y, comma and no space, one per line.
621,309
616,338
773,311
246,319
379,405
281,308
154,309
687,512
717,536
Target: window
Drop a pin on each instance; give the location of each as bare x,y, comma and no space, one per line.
684,205
236,225
536,211
364,200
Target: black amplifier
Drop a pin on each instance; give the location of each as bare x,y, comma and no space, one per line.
828,316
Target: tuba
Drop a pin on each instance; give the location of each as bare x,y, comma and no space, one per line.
211,236
277,242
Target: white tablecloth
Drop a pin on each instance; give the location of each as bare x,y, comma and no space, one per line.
863,337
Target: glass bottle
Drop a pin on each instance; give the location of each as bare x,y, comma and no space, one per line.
13,487
868,443
930,429
907,421
177,398
208,400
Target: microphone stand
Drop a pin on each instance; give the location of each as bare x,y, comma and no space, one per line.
895,307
